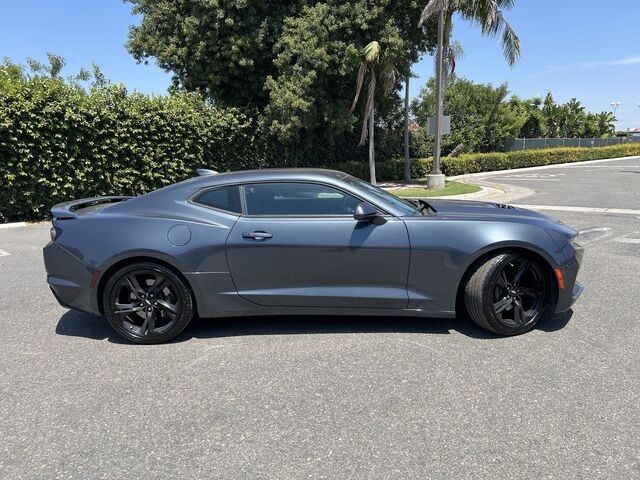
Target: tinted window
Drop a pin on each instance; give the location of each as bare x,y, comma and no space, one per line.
297,199
381,194
223,198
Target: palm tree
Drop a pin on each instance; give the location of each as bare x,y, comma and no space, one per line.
485,13
552,113
373,65
573,118
606,123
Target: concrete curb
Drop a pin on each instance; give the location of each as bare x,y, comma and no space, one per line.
6,226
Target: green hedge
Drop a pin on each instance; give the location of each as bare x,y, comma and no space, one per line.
59,142
487,162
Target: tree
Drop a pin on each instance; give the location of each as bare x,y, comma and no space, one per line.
605,124
551,113
375,66
290,63
572,119
485,13
481,119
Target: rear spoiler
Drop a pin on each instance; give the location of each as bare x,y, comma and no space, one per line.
67,210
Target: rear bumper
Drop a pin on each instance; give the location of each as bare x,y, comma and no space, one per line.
573,289
69,279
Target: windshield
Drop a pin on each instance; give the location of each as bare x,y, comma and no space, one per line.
380,194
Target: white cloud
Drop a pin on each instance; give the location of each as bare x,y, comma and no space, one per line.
627,61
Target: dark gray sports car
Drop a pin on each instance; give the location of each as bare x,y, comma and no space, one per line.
299,241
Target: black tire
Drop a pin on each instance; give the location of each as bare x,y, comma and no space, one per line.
147,303
509,294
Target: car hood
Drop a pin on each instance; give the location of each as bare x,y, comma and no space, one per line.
485,210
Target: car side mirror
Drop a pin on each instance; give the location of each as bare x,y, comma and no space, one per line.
366,211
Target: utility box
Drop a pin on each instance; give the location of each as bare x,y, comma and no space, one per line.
446,125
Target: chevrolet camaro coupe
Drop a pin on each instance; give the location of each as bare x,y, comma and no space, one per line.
305,241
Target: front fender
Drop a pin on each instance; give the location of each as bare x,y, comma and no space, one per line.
442,250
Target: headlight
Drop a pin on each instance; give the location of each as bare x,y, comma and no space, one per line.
53,233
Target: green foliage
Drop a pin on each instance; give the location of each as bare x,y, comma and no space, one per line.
571,120
291,63
480,120
487,162
387,169
59,141
483,119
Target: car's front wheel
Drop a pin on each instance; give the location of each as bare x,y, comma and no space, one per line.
508,294
147,303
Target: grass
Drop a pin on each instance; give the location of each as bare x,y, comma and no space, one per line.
450,188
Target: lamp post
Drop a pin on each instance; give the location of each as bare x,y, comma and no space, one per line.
436,179
614,106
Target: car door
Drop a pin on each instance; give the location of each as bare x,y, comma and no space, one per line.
298,244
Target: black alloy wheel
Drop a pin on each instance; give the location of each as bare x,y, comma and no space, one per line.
519,293
509,293
147,303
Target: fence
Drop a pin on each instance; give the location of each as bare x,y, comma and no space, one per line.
533,143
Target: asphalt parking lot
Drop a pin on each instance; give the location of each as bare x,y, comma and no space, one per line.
327,397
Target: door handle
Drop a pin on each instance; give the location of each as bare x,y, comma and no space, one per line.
257,235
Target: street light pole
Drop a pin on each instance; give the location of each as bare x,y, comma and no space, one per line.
614,106
436,178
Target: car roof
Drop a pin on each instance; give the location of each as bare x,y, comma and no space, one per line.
243,176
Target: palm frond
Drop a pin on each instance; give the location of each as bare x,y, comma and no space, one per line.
495,24
372,52
360,80
389,75
368,110
434,7
453,53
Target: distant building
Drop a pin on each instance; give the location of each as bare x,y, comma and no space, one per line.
635,132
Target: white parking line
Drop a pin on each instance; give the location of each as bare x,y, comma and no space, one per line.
4,254
567,208
627,240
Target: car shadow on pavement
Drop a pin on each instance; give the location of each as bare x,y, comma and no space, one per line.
79,324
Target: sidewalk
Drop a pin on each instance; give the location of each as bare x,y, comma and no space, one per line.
490,192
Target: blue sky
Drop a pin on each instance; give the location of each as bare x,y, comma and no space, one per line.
569,47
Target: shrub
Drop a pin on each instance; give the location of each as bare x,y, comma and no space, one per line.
59,142
487,162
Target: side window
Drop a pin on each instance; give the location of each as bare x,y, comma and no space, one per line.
223,198
297,199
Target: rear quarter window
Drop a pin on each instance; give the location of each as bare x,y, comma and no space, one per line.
221,198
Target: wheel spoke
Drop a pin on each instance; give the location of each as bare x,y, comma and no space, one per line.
149,324
134,286
167,306
524,268
502,280
157,285
531,292
126,308
519,315
502,304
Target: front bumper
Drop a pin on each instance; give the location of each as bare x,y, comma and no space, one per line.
69,279
573,289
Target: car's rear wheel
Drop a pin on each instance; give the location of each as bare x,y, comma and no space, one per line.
147,303
508,294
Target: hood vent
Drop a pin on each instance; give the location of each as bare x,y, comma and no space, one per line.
502,205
